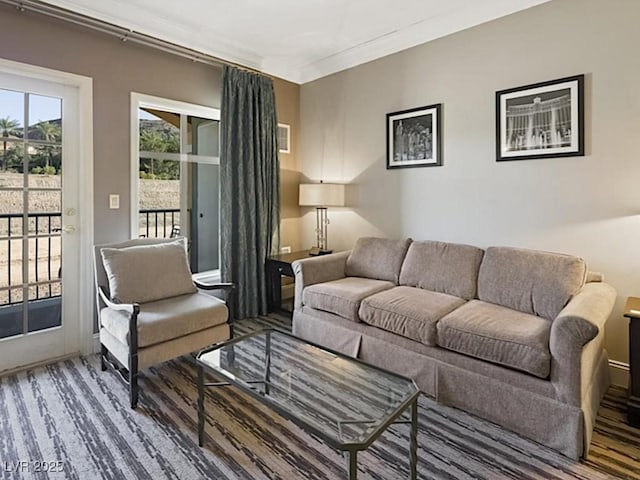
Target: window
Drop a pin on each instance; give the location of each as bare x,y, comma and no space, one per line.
177,176
30,212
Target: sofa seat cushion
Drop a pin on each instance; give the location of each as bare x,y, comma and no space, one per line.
408,311
167,319
342,297
498,334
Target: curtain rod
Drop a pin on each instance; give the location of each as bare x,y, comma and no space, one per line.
124,34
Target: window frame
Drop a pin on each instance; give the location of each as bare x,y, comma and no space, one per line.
184,109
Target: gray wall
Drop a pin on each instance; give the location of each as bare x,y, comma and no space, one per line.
117,69
587,206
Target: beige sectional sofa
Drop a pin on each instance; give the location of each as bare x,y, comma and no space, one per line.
511,335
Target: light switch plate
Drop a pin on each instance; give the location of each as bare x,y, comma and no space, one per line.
114,201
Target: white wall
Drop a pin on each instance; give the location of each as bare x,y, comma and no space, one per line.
587,206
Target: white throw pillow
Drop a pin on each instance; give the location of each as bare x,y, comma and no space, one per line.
146,273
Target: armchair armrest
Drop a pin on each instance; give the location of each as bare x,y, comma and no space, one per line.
214,286
580,323
227,287
310,271
131,308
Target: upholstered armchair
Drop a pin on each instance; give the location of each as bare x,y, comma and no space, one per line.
150,310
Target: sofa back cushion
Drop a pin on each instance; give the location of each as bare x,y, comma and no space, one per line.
530,281
377,258
442,267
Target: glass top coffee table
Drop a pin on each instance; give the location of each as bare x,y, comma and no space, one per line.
343,401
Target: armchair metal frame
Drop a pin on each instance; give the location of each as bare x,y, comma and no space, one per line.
129,373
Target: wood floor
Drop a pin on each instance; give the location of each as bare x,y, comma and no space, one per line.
615,447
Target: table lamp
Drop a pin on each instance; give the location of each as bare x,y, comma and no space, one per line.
321,195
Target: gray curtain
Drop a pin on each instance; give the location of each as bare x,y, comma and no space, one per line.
249,186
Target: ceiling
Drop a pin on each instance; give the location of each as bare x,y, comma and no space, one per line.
298,40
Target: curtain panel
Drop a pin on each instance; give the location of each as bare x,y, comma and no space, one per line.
249,186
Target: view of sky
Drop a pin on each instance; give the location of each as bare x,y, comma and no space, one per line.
41,108
146,115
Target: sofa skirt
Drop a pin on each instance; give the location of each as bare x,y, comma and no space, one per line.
517,401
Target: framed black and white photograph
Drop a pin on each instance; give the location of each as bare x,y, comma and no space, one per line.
414,137
542,120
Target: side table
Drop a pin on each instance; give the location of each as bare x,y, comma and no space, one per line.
632,312
277,266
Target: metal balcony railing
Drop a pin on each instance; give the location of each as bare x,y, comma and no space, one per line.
44,244
160,223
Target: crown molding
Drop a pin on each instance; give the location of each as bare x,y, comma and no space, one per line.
193,35
419,33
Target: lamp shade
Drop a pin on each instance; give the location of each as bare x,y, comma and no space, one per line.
321,195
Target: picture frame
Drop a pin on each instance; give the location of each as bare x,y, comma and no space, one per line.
414,137
541,120
284,138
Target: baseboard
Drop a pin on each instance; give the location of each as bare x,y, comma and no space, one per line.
619,373
41,363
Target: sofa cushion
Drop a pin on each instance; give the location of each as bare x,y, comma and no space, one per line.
498,334
442,267
378,258
167,319
408,311
539,283
342,297
146,273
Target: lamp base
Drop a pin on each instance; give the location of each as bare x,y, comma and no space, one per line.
316,251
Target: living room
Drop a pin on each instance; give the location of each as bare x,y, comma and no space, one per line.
583,205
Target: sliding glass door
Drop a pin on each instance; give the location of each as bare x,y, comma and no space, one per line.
177,175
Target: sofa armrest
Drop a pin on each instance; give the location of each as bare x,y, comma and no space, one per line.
580,322
323,268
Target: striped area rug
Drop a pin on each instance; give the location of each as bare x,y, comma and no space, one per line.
75,419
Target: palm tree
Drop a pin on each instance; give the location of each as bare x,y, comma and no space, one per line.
152,141
8,127
50,132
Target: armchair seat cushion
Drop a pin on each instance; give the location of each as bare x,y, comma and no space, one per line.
167,319
408,311
499,335
342,297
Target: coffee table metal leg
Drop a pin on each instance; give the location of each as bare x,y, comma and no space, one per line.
200,405
267,362
353,464
413,441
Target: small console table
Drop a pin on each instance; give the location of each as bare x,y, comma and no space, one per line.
632,312
277,266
